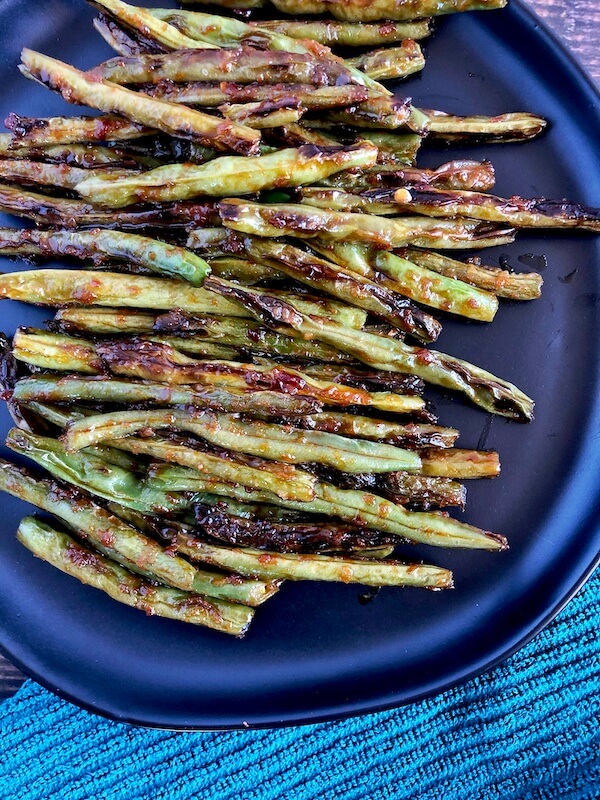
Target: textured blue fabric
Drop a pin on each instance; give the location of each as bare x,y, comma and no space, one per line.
528,729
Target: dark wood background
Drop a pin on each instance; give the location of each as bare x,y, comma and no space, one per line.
577,22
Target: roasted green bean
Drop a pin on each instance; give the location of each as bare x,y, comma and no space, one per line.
212,95
143,20
57,389
381,232
359,11
283,536
360,290
483,388
275,442
240,65
277,566
419,283
102,573
227,175
461,464
64,212
501,282
93,473
409,434
349,505
458,174
46,131
151,361
349,34
391,63
91,90
534,213
114,538
113,245
57,287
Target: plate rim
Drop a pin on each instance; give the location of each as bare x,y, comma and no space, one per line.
581,74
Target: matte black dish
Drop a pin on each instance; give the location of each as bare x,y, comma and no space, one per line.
315,652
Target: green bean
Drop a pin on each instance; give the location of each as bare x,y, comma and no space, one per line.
120,40
57,389
44,131
155,255
281,523
400,10
354,374
213,95
414,491
55,415
89,471
410,434
360,290
62,176
240,65
501,282
64,353
88,89
534,213
378,202
51,351
218,242
391,63
241,510
226,175
460,174
349,505
143,20
461,464
517,127
104,321
319,567
114,538
57,287
150,361
67,213
349,34
263,115
283,536
102,573
235,4
379,112
237,269
275,442
381,352
306,223
268,343
419,283
423,492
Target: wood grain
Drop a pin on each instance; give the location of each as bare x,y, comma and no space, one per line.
577,23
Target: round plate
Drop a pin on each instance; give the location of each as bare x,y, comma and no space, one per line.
314,652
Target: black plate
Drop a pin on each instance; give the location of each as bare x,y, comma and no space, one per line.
314,652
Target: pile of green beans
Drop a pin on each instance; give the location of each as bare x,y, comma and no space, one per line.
231,393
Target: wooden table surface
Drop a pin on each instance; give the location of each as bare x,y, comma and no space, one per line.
577,22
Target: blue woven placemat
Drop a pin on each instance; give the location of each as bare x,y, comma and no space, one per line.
528,729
